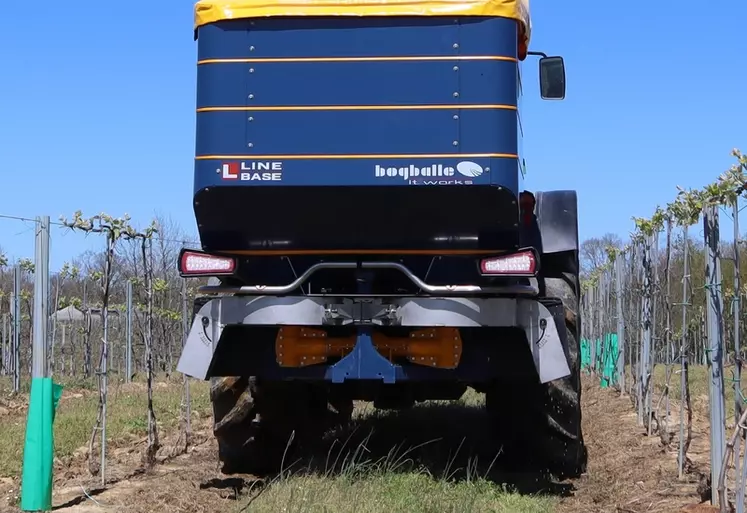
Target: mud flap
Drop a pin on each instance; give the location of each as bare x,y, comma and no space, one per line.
216,314
545,340
203,337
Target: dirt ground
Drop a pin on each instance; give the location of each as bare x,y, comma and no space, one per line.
629,472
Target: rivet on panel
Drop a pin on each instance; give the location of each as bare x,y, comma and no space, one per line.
456,45
456,94
251,118
251,70
487,169
251,96
456,68
251,145
456,116
251,48
455,143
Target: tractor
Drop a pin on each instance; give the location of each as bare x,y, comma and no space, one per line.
364,231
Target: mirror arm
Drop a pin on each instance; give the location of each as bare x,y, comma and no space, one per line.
541,54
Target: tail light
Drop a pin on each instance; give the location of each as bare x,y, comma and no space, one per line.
523,263
197,263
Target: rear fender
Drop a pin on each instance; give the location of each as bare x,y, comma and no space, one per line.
543,325
557,217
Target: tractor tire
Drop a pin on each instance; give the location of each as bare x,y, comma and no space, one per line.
259,425
540,424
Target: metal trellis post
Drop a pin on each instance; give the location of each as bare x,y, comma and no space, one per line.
737,353
619,262
683,351
185,335
40,365
644,359
715,340
128,329
16,328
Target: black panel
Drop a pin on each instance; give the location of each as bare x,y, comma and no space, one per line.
357,218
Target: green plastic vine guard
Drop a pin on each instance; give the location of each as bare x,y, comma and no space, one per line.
38,451
606,358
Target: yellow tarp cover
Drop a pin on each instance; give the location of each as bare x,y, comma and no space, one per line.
209,11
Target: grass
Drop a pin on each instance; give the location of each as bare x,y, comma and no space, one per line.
76,414
432,458
379,490
435,457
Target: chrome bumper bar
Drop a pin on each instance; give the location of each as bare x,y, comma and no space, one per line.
512,290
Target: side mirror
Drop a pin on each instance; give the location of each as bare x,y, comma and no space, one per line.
552,78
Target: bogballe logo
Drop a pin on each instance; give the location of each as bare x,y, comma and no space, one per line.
443,175
471,169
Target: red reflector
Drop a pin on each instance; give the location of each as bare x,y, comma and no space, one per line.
514,264
202,263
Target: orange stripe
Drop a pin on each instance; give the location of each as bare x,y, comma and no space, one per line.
354,107
364,59
434,252
374,156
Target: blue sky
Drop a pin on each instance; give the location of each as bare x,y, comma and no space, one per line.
97,104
